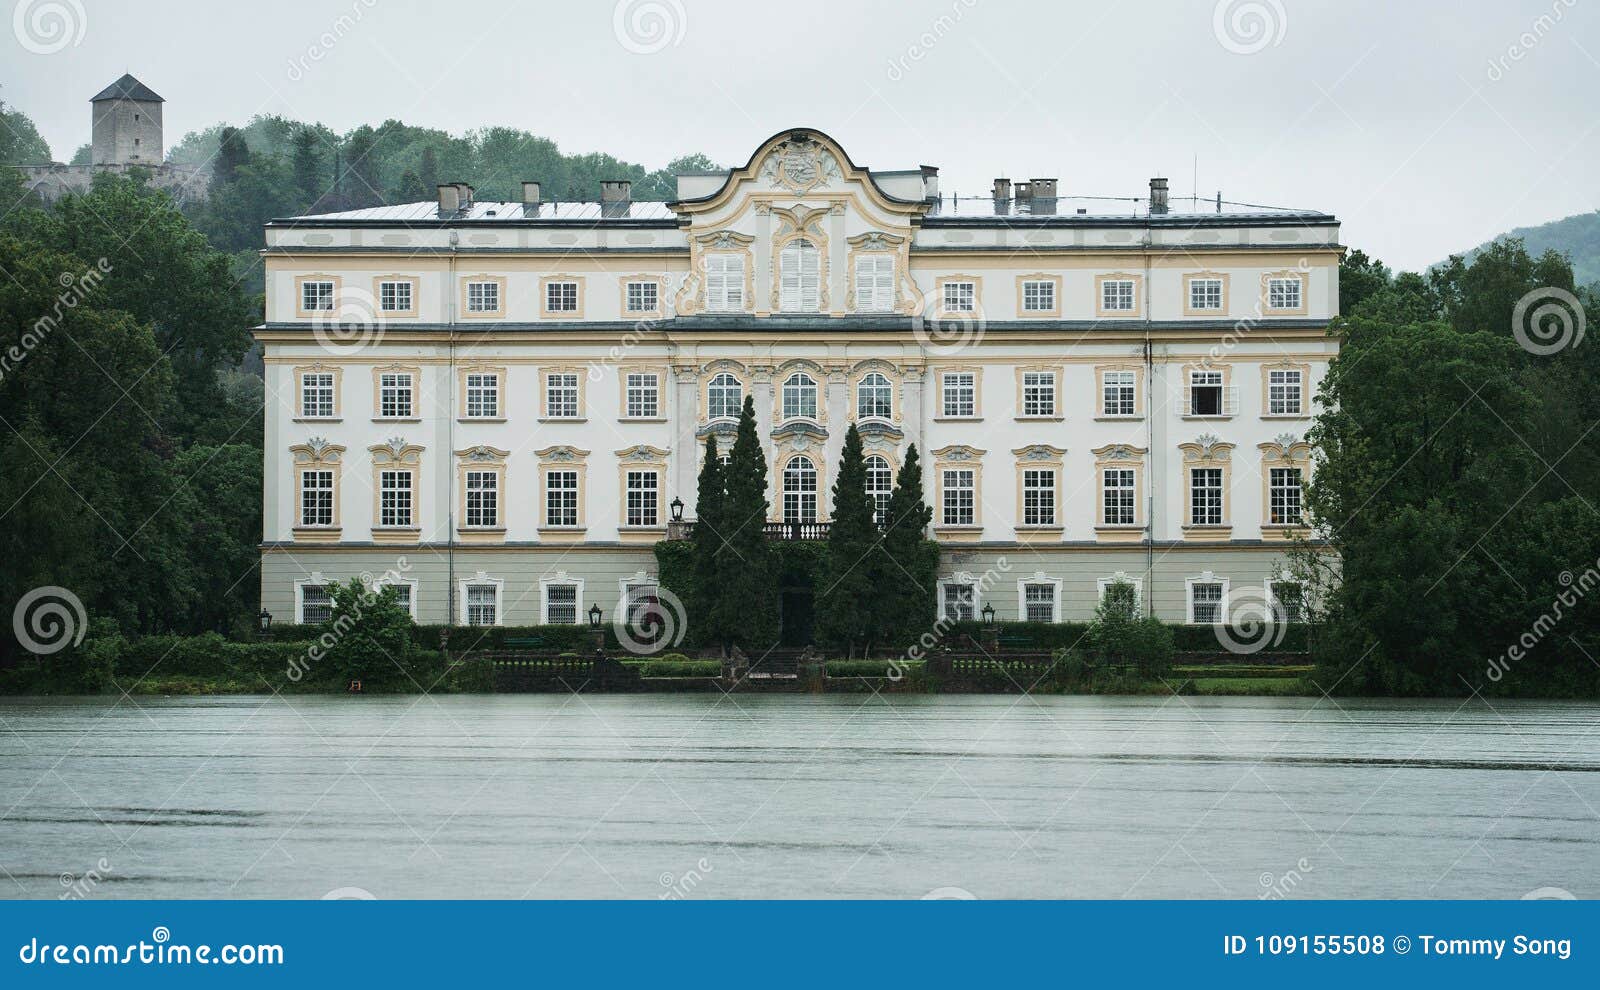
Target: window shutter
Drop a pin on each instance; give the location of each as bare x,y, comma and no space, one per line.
875,283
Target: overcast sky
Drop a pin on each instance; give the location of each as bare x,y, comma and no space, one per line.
1427,127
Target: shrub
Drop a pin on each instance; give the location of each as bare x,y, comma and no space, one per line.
1120,635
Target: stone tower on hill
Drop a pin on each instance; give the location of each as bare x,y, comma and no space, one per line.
127,124
125,136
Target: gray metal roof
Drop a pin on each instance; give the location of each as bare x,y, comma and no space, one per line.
428,212
127,88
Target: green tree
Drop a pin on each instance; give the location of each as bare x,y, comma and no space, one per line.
1360,278
905,565
705,600
744,561
370,634
20,143
846,618
1120,635
310,167
233,151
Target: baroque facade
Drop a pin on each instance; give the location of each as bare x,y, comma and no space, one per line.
494,405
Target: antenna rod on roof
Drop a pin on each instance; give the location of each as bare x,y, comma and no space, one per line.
1219,200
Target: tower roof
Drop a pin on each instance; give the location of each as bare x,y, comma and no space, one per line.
127,88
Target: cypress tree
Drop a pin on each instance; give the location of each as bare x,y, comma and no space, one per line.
846,593
906,564
711,494
748,595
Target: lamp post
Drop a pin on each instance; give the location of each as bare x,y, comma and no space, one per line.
594,628
990,631
988,615
677,510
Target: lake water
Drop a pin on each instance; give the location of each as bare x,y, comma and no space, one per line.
699,796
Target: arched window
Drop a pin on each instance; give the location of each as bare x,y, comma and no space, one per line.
880,483
800,491
799,397
799,266
724,396
874,398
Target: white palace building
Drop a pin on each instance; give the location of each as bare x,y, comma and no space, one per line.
494,405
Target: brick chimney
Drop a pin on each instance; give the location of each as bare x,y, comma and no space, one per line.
1158,197
530,199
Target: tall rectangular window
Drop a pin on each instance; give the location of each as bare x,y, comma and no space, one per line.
1039,602
561,297
394,395
483,395
561,498
1283,293
724,282
1116,295
394,297
561,604
483,499
1284,497
1205,293
874,283
1039,497
561,395
1205,393
1288,600
1038,393
643,498
960,297
1118,493
960,600
316,395
394,498
1283,392
1118,393
1205,496
643,297
960,394
316,297
483,297
316,498
483,605
1205,603
643,395
960,497
316,604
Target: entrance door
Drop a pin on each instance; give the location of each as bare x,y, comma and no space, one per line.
796,615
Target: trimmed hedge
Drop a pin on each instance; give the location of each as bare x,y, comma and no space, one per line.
555,639
1045,636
